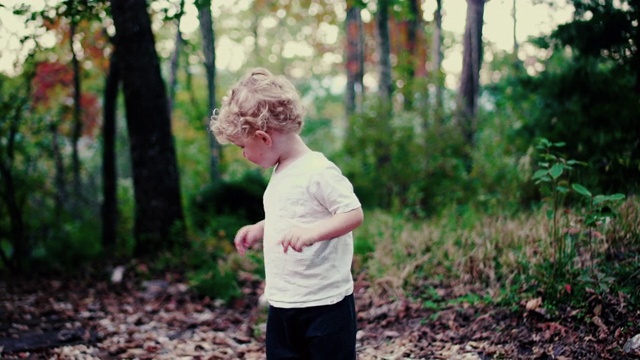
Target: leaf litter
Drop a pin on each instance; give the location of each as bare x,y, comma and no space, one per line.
164,319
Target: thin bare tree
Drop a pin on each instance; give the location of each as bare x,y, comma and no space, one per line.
385,86
109,169
436,62
470,76
175,57
209,49
355,58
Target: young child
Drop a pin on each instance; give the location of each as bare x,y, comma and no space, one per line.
310,211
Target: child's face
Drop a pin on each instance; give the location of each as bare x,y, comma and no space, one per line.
258,149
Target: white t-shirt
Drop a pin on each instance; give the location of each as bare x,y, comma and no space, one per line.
307,191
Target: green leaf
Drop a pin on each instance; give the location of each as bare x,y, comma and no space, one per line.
617,197
550,214
544,143
591,220
598,199
430,305
562,189
539,173
556,170
581,190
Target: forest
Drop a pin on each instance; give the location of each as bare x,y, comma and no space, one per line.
502,219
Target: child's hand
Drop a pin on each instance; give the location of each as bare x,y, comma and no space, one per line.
298,238
247,236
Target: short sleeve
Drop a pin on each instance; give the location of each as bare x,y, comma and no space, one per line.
333,190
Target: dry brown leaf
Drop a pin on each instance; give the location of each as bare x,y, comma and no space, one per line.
533,304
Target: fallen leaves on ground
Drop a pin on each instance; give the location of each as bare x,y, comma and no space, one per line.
164,319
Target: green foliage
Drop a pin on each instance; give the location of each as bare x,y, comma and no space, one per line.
432,300
362,246
559,277
208,273
126,203
321,131
205,264
215,214
599,207
588,94
585,92
470,298
497,182
612,27
215,282
225,201
395,164
444,180
73,247
40,228
550,176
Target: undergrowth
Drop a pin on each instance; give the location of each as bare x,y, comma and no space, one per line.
571,246
562,252
507,256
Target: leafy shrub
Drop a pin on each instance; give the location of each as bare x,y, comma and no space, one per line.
395,164
215,282
240,199
70,245
208,273
592,104
216,214
564,273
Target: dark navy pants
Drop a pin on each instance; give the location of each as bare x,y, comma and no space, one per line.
325,332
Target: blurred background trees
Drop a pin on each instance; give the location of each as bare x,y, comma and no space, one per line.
141,172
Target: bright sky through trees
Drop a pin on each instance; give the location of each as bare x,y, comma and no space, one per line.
532,20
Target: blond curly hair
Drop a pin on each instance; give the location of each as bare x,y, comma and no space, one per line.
260,101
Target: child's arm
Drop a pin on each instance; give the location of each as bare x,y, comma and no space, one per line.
248,235
339,224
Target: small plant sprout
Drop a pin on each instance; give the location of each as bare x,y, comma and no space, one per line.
553,177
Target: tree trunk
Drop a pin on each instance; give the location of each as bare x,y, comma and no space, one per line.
436,67
209,49
413,24
355,59
9,195
470,76
20,248
175,57
60,176
517,64
382,144
159,217
77,121
385,89
636,58
516,46
109,172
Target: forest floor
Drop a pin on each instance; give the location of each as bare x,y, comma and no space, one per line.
163,319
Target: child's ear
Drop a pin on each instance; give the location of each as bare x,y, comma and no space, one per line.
264,137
